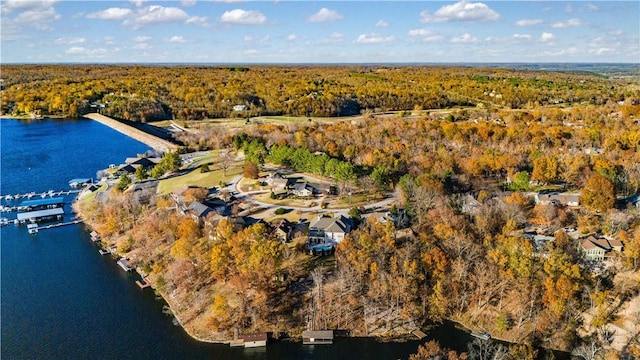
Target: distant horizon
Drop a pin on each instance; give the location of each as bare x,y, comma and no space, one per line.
323,32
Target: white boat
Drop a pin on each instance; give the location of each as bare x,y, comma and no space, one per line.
32,228
481,335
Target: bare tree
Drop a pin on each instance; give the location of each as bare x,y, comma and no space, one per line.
587,351
225,159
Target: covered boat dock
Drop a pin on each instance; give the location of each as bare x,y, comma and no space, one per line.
41,215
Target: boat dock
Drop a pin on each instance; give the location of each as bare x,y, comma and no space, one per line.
143,284
34,228
124,264
33,194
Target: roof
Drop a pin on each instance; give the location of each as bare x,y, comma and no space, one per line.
318,334
615,243
303,186
199,209
43,202
593,243
40,214
328,224
254,337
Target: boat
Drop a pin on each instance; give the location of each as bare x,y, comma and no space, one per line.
32,228
105,251
481,335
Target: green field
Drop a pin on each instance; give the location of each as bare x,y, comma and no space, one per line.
197,178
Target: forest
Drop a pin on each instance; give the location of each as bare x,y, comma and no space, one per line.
467,178
146,93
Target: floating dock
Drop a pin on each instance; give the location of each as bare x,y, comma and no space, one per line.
142,284
41,215
124,264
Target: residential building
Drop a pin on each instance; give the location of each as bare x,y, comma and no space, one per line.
566,199
303,189
327,231
596,249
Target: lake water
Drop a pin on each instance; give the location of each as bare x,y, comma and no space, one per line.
62,300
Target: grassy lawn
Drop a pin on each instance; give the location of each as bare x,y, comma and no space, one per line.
91,196
196,178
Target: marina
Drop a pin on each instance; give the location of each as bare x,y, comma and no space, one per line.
33,194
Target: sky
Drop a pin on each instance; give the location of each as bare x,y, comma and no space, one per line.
246,32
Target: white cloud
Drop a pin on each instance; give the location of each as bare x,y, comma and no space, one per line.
334,38
138,3
461,11
602,50
374,39
382,23
259,39
156,14
251,52
591,7
528,22
547,37
177,39
79,50
38,18
108,40
562,52
425,35
465,38
243,17
187,3
566,24
9,6
197,20
141,38
325,15
111,14
69,41
522,36
292,37
142,46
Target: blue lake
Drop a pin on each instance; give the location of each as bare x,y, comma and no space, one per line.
62,300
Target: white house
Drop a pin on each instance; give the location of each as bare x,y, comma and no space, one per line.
324,231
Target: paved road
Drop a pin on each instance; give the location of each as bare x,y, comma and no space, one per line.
249,197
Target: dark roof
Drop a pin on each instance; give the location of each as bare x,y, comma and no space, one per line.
199,209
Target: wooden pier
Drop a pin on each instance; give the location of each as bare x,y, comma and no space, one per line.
143,284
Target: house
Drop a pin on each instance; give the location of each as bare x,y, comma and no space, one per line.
126,169
254,340
317,337
326,231
566,199
143,191
198,211
147,162
303,189
277,182
216,204
596,249
283,230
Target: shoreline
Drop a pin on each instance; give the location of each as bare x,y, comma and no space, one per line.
152,141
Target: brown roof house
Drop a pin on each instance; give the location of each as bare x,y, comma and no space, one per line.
596,249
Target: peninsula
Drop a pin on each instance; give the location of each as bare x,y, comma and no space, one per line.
515,190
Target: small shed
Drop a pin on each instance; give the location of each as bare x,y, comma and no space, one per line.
254,340
320,337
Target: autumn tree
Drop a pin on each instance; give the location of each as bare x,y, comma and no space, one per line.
251,170
598,193
545,169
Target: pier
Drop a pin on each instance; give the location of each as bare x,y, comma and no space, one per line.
34,229
43,195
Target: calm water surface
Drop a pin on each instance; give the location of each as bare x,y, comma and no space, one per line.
60,299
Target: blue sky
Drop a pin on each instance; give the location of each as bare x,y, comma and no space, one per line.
190,31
